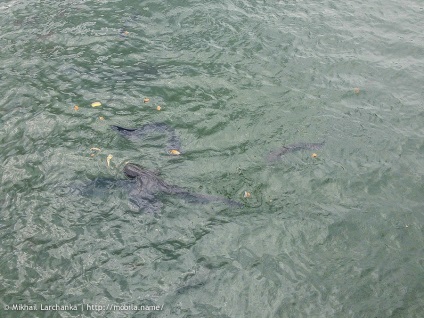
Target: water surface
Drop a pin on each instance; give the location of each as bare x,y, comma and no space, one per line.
339,235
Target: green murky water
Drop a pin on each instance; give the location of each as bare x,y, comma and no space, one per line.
340,235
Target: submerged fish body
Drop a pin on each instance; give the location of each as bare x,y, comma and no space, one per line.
277,154
147,180
151,128
148,185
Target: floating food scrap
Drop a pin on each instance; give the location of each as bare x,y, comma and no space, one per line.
174,152
146,100
76,107
247,194
356,90
101,118
96,104
94,149
314,155
108,159
158,108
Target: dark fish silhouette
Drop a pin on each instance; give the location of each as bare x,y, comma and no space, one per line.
152,128
148,185
275,155
143,185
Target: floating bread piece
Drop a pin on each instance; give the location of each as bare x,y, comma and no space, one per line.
108,159
96,104
247,194
76,107
158,108
314,155
174,152
146,100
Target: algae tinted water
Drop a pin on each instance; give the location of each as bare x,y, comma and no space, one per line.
339,235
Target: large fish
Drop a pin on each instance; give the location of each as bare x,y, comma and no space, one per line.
148,185
149,129
277,154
